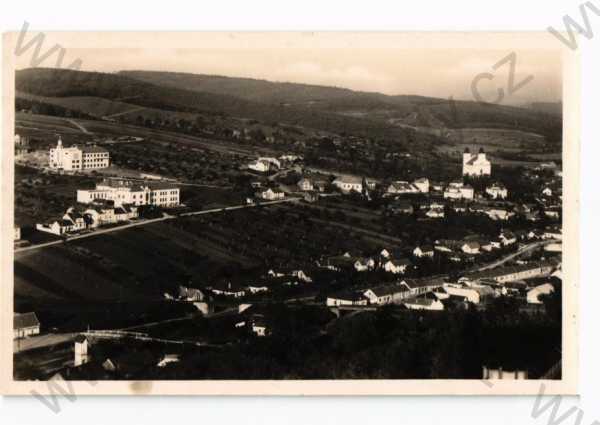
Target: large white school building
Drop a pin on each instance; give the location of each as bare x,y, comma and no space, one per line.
76,158
124,192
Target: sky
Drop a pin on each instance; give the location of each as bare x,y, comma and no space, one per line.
439,73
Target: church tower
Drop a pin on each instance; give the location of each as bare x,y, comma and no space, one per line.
481,155
466,156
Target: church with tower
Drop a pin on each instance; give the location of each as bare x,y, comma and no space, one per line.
476,164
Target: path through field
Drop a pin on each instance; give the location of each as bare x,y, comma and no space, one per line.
150,221
118,114
79,126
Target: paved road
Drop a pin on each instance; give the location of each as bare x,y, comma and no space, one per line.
161,322
514,255
40,341
239,207
150,221
109,334
95,233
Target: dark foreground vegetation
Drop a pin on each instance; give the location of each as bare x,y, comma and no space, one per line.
309,342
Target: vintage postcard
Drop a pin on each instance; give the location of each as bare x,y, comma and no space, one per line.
289,213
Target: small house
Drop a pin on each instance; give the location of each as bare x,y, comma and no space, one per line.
25,324
397,266
470,247
423,251
305,184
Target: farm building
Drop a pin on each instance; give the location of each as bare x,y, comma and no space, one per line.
25,324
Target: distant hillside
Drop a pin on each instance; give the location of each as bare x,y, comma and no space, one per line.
554,108
271,92
117,87
328,109
429,111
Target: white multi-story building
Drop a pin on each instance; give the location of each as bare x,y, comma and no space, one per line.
76,158
122,192
476,164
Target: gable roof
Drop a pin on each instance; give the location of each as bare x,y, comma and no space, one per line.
429,281
402,185
347,296
80,338
420,301
390,289
162,186
425,248
25,320
93,149
349,179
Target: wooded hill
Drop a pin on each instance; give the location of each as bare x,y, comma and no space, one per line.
328,109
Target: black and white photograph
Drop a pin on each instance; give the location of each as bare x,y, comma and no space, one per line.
314,208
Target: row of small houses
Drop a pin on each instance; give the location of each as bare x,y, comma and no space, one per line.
454,190
415,294
395,261
236,288
431,293
497,211
75,220
388,261
503,275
